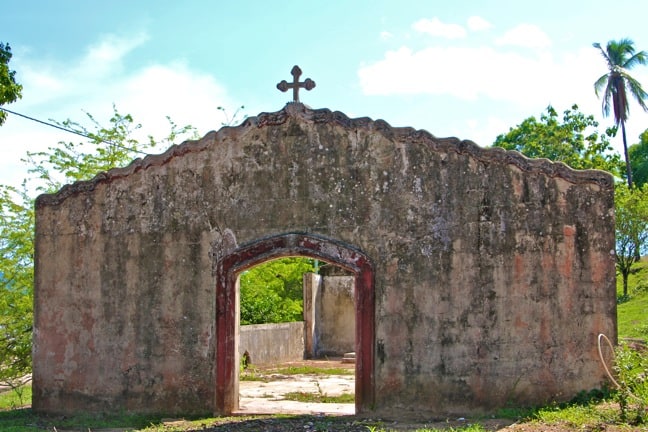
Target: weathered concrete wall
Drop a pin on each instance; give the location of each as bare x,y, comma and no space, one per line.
493,273
335,316
329,315
272,343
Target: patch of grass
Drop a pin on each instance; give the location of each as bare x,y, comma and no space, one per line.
170,425
252,374
319,397
467,428
13,417
19,420
583,417
631,313
313,370
12,399
632,317
26,420
253,377
515,413
87,421
276,422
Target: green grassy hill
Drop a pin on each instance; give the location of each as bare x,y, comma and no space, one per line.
632,314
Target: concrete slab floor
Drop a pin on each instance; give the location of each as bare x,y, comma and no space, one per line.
267,397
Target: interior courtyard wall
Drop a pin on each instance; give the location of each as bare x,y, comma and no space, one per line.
335,322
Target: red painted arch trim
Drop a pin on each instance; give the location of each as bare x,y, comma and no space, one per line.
292,244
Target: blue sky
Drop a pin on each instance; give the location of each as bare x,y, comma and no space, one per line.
470,69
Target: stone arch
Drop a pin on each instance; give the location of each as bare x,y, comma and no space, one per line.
292,244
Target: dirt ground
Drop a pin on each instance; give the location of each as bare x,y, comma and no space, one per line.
262,400
266,397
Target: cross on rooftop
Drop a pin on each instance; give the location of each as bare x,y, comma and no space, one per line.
296,72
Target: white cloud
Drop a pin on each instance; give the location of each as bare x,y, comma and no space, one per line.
525,35
521,82
149,94
108,55
46,81
526,79
435,27
476,23
172,90
385,35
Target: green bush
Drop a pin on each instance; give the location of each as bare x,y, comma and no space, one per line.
272,292
631,369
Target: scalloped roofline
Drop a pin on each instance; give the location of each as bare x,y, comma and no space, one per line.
322,116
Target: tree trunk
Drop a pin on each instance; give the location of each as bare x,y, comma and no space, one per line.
625,155
637,255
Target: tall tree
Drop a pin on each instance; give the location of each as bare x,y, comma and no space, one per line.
572,139
631,208
10,90
639,160
16,281
617,83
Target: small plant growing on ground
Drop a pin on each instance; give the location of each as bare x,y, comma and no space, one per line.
631,368
17,396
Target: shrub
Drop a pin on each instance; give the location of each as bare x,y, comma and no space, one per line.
631,368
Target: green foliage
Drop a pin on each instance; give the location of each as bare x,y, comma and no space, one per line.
631,370
107,148
631,206
16,283
272,292
638,154
235,118
572,140
10,90
319,397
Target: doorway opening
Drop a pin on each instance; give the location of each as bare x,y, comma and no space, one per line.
230,267
296,342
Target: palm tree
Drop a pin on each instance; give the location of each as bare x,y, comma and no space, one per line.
621,57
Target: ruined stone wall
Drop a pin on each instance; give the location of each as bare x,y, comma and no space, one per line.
335,317
493,273
272,343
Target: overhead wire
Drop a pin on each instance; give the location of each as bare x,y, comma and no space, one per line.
71,131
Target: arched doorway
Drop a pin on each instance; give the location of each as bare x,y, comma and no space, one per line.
298,244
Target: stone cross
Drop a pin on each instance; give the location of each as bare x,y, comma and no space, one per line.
296,72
